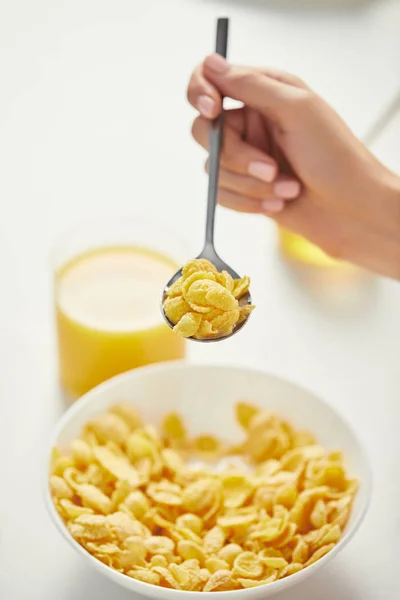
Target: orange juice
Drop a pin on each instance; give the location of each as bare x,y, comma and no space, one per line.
108,315
299,249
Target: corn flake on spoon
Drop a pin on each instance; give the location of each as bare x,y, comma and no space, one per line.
209,253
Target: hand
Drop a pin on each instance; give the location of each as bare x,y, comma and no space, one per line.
288,155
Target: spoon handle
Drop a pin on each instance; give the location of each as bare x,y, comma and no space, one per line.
215,143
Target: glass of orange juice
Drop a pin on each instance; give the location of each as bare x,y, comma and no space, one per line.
108,282
337,281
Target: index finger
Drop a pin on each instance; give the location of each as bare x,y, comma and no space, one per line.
203,95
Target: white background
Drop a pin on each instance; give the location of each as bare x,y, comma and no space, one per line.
94,123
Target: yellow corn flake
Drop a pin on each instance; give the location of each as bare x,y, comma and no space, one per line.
226,280
59,463
196,293
175,308
236,489
187,534
135,545
290,570
128,413
200,496
328,534
175,289
188,325
175,560
138,446
220,297
286,496
124,526
198,265
137,503
297,457
274,562
302,509
166,578
301,551
303,438
159,544
214,564
250,583
59,488
205,330
173,429
226,321
94,498
157,519
206,443
267,469
220,581
173,462
241,287
189,550
126,494
191,563
214,540
95,476
190,521
339,510
229,552
82,453
117,466
245,412
196,297
244,312
319,554
109,427
91,527
165,493
72,511
145,575
236,521
248,565
318,516
189,578
158,560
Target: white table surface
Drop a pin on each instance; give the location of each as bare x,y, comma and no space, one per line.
94,123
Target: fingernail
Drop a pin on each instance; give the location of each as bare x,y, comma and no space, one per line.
262,170
206,106
287,189
272,205
217,63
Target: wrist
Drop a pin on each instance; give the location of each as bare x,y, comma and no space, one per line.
391,205
383,236
372,236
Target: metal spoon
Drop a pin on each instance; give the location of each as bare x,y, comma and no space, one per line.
209,251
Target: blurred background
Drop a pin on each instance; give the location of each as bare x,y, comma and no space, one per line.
94,124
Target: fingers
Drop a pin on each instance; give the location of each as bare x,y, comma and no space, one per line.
203,95
284,77
236,154
268,95
283,188
270,207
268,91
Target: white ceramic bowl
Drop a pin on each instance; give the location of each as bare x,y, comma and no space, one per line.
205,396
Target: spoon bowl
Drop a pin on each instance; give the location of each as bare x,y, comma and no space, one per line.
210,254
209,251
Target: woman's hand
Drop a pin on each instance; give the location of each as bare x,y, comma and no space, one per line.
288,155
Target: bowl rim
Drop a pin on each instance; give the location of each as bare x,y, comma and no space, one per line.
141,587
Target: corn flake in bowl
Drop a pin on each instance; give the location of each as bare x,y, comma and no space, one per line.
166,504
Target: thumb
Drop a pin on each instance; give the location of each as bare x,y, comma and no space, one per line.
270,96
